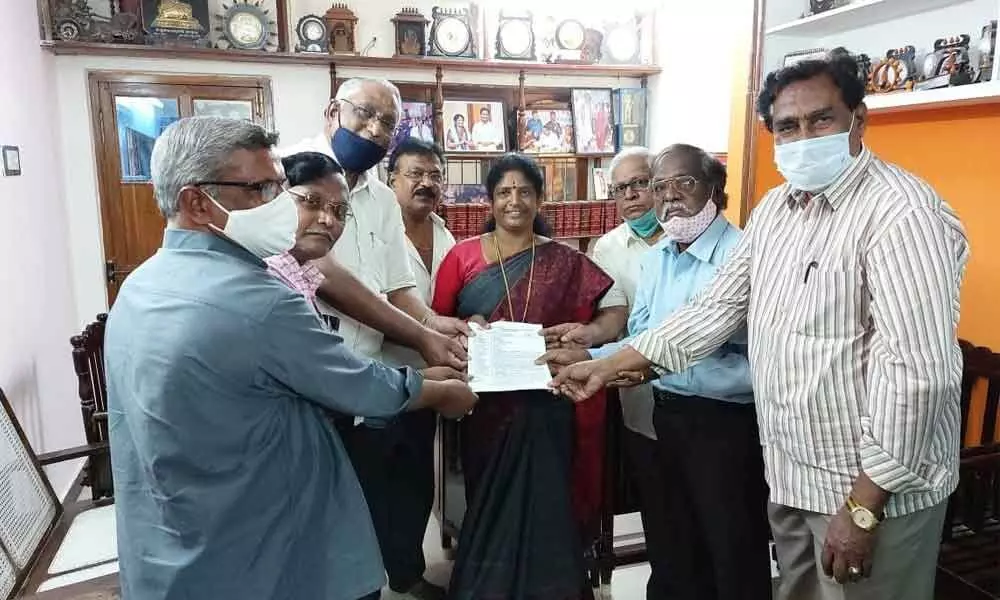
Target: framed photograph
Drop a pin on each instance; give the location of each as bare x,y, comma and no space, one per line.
416,120
601,183
548,131
593,122
801,55
471,126
11,161
465,193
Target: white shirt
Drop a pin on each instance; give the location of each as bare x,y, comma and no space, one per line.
851,299
619,253
394,354
373,247
487,134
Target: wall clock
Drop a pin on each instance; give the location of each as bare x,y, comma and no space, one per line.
515,38
451,33
312,33
246,26
621,43
411,32
569,35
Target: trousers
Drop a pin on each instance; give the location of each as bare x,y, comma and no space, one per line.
905,556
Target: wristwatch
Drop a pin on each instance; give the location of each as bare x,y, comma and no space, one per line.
863,517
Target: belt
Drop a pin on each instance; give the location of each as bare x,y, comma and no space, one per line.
664,397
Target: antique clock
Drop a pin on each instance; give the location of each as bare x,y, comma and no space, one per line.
896,72
452,33
246,26
987,48
569,37
515,38
312,33
621,43
947,65
411,32
341,26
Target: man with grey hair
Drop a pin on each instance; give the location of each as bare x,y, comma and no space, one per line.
229,480
705,524
370,286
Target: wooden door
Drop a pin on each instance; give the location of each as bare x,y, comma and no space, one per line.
129,111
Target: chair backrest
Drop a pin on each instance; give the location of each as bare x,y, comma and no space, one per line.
980,395
88,361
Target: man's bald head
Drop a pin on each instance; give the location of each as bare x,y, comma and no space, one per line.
367,106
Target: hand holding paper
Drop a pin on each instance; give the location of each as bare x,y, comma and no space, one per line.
502,358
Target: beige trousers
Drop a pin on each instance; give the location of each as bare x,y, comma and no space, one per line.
905,559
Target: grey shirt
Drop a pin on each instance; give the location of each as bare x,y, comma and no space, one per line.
229,480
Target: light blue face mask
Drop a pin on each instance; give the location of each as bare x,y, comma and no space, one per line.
811,165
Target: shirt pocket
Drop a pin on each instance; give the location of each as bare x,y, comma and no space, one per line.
828,304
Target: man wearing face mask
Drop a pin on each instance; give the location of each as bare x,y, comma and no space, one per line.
229,481
701,474
369,286
848,276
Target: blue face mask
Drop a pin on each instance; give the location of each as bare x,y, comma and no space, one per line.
811,165
646,225
355,153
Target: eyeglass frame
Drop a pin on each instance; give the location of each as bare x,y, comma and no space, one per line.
635,184
366,115
337,207
412,176
252,186
672,182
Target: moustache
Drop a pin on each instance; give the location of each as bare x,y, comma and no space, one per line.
425,193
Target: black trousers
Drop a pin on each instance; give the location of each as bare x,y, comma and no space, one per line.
652,486
395,466
715,502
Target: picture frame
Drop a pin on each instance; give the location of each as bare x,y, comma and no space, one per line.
601,183
593,122
416,120
465,193
11,161
801,55
548,130
474,126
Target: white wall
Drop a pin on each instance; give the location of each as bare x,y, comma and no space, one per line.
37,314
690,100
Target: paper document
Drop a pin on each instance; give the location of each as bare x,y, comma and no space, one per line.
502,358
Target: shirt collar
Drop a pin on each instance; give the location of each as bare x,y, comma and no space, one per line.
704,247
187,239
841,188
323,144
632,237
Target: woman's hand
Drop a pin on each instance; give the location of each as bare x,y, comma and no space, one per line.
568,335
480,321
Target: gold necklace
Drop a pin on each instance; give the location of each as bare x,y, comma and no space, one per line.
506,285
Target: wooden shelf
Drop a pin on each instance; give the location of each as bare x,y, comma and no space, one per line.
977,93
859,13
375,62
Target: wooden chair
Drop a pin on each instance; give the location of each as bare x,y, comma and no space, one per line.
88,362
969,563
33,523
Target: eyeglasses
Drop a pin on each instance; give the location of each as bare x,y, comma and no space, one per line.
312,201
685,184
366,114
639,184
416,175
268,190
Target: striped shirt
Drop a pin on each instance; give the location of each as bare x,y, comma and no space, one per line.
851,299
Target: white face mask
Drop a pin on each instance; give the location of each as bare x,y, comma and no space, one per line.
685,230
811,165
264,230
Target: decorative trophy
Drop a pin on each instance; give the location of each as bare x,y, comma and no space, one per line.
175,25
341,23
947,65
895,72
987,49
411,32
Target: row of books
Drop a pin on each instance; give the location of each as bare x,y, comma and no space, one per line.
587,218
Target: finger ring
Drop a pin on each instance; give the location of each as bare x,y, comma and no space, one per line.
854,571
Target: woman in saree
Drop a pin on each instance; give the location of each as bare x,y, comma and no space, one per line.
531,460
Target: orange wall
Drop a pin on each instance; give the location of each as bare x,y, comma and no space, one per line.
957,150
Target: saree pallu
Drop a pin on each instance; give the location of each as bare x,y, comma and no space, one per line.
532,461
